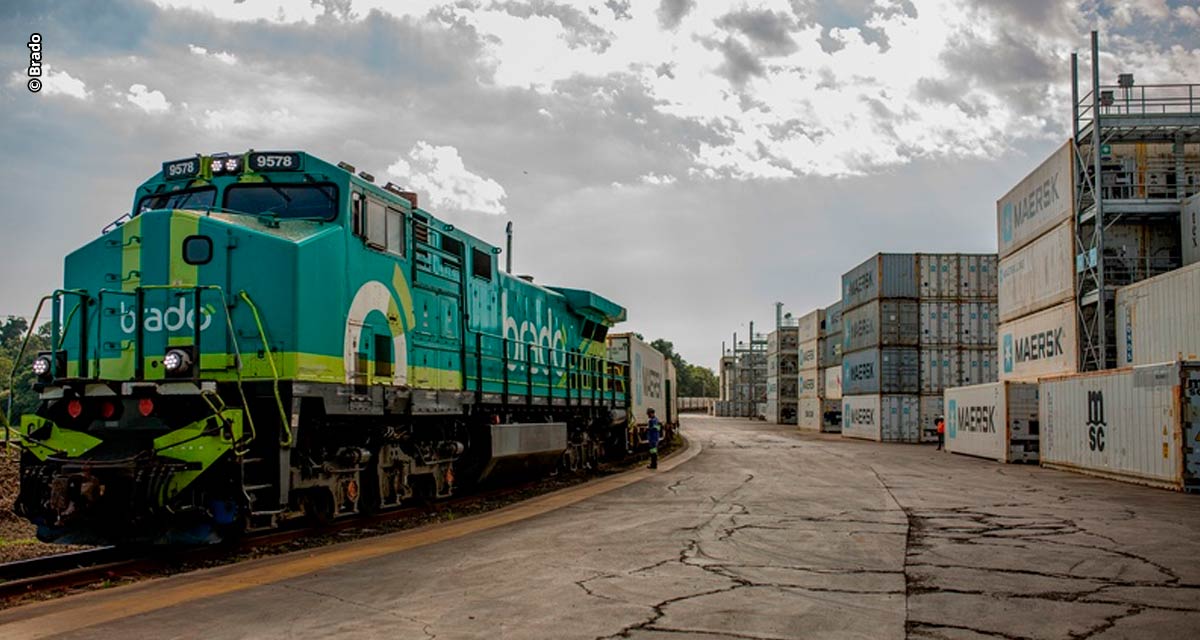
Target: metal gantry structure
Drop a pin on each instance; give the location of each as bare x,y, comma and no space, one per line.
1126,188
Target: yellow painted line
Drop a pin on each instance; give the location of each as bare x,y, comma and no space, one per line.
76,612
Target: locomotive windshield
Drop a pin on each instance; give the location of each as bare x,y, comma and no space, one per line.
202,198
284,201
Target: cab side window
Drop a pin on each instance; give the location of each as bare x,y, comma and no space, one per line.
481,264
385,227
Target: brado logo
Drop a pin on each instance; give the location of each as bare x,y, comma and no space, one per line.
173,319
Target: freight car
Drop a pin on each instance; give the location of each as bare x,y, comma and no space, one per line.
267,335
653,384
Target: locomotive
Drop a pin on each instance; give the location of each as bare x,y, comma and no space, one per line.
267,335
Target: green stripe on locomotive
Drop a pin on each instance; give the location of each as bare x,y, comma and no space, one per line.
310,301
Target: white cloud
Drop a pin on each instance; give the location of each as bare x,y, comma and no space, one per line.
219,56
1188,15
54,83
279,11
150,101
439,174
656,179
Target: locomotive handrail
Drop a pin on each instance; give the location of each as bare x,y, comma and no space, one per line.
12,375
590,376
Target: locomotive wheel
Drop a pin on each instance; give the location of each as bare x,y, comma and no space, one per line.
318,506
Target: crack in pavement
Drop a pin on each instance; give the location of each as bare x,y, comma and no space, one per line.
425,626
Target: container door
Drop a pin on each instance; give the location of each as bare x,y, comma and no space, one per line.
1191,431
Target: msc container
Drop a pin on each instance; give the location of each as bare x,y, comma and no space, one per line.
648,375
1189,230
808,414
809,354
887,370
808,326
886,323
940,322
883,418
833,319
833,382
1159,319
997,421
1137,424
1041,344
978,274
977,323
1039,202
1038,276
884,275
939,276
831,416
977,366
811,383
940,367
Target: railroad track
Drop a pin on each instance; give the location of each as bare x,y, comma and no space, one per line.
61,572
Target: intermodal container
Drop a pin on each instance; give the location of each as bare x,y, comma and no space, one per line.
931,408
648,371
940,322
1189,230
811,383
886,370
809,354
1041,344
940,367
808,414
978,272
881,323
997,421
833,382
808,326
787,412
831,415
1159,319
978,366
771,414
1038,203
1137,424
1039,275
884,275
883,418
977,323
833,319
831,354
939,276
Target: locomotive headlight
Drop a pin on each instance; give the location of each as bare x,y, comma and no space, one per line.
177,361
42,366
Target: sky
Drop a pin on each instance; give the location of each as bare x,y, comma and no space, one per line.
693,161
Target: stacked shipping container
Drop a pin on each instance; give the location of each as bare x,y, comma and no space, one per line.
809,380
782,381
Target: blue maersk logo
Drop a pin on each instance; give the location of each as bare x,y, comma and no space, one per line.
1007,350
1006,223
952,419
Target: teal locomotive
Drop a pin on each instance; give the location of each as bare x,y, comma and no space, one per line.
267,335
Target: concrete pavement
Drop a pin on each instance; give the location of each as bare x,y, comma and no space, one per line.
766,534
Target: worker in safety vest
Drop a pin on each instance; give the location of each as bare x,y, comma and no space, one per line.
941,429
653,434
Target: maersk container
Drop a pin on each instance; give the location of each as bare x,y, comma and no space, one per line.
808,326
997,421
940,367
886,370
1038,203
1137,424
1189,230
811,383
884,275
649,373
808,414
977,366
1039,275
883,418
977,323
809,354
1159,319
1042,344
939,276
833,319
833,382
881,323
831,354
940,322
978,272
